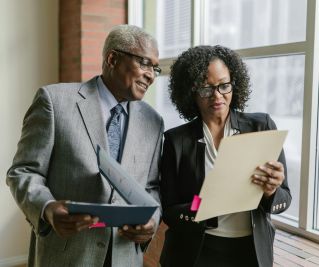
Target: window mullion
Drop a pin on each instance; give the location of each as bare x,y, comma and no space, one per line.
273,50
135,12
197,22
306,211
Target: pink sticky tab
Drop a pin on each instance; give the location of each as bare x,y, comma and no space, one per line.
195,203
98,225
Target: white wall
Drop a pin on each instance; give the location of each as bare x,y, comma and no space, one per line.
28,59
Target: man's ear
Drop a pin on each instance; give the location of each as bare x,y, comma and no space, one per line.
111,59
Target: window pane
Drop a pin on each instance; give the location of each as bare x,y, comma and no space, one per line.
164,105
277,88
170,22
250,23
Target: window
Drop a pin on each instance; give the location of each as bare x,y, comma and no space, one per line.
164,105
249,23
170,23
278,41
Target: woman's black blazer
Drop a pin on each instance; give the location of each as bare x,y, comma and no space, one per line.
182,175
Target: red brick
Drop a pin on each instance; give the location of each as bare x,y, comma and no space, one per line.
120,4
89,60
95,18
95,2
92,26
94,35
93,67
95,10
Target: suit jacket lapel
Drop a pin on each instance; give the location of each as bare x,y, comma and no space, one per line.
91,113
199,160
239,123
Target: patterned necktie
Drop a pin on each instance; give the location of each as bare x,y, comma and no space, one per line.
114,131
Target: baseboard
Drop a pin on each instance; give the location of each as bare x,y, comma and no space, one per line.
14,261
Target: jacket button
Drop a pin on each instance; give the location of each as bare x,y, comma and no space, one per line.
101,244
181,216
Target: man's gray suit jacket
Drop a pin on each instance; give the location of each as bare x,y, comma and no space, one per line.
56,160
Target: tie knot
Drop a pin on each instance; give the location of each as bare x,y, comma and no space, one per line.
117,109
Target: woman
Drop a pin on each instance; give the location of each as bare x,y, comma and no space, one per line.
209,87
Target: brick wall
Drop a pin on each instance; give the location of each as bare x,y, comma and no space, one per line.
83,26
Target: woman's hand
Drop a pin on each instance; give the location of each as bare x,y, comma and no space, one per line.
269,176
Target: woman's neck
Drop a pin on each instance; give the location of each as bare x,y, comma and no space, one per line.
215,121
216,127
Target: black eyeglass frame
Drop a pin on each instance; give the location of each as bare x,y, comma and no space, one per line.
208,91
141,60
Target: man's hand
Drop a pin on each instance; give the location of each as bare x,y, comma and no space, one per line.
140,233
270,177
63,223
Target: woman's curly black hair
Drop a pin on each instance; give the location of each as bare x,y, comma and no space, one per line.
190,70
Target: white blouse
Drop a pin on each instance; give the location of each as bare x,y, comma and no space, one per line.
229,225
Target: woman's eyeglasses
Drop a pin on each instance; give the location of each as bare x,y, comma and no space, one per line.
208,91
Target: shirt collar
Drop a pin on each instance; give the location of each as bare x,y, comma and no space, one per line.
107,97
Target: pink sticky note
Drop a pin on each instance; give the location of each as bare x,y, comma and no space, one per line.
195,203
98,225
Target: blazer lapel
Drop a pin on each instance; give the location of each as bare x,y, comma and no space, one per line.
239,123
91,112
200,152
200,163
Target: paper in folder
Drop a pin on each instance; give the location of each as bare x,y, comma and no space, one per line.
228,188
140,205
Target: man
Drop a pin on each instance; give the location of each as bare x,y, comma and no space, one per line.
56,157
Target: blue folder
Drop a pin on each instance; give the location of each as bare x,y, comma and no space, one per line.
113,215
140,204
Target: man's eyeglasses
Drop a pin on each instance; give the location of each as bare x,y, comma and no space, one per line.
145,63
208,91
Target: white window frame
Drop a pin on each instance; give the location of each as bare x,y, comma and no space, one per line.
135,12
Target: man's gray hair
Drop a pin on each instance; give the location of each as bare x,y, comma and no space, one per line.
127,38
